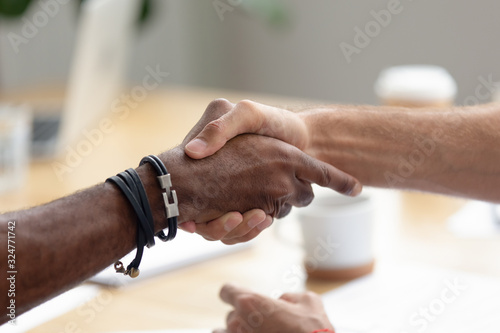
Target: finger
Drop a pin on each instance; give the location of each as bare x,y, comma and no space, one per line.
249,117
230,292
303,194
291,297
230,316
251,219
284,210
326,175
219,330
189,226
217,229
312,298
214,110
243,118
252,233
245,300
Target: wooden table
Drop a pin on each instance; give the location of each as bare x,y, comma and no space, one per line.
410,227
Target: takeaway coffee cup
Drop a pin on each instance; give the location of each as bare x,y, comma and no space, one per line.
337,236
416,86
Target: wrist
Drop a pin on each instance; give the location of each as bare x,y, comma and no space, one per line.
154,192
319,138
306,119
178,165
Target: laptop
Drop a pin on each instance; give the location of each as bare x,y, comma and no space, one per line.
96,76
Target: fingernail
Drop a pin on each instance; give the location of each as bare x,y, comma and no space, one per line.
254,221
356,190
231,223
196,146
187,227
264,225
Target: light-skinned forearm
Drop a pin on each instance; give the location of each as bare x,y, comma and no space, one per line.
454,151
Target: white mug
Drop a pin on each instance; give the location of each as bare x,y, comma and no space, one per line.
337,236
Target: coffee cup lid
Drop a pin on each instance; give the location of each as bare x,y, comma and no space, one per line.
419,83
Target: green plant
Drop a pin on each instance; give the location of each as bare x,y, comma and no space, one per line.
16,8
13,8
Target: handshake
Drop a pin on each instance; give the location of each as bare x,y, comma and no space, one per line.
244,164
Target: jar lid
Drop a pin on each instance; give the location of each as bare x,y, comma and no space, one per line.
419,83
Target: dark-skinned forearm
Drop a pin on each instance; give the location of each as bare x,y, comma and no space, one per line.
65,242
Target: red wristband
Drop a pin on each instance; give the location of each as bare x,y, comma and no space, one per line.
327,330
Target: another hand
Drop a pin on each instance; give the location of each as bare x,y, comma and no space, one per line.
235,227
232,227
248,117
221,122
250,172
300,313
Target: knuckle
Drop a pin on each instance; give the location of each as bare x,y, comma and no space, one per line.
218,107
249,236
310,295
284,211
218,235
216,126
208,238
304,194
246,104
326,177
245,302
218,103
229,241
285,155
344,185
282,190
257,118
306,198
213,235
233,325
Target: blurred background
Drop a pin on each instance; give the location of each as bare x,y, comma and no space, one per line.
274,46
330,51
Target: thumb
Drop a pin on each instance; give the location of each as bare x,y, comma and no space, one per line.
244,117
291,297
249,117
230,292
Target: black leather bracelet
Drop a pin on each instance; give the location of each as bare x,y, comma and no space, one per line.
132,187
145,228
169,196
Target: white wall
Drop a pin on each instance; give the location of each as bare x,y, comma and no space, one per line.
188,39
41,55
305,59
